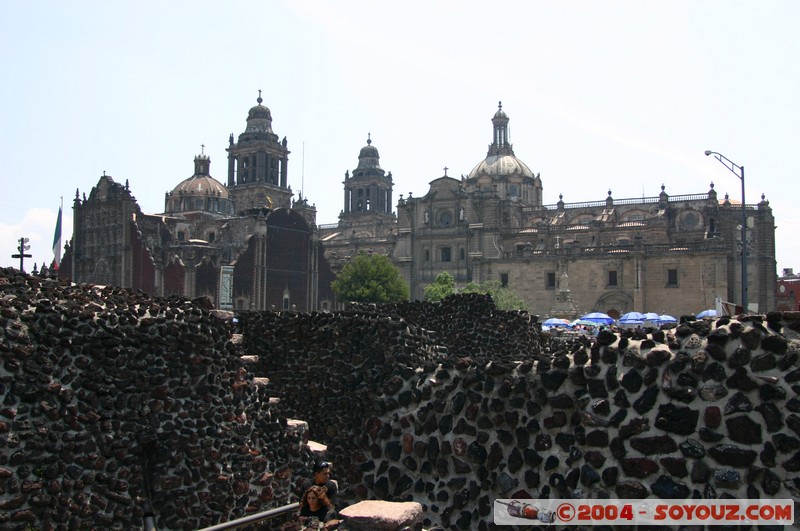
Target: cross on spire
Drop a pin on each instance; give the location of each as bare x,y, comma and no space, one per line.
369,139
445,171
259,100
500,105
202,149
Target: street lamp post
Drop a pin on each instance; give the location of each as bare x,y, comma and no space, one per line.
733,167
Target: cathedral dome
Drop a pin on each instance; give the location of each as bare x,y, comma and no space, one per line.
259,118
498,165
368,158
200,192
201,185
500,114
500,160
259,112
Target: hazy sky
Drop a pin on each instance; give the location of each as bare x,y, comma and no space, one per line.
602,95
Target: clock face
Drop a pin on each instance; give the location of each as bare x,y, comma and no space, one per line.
782,288
445,218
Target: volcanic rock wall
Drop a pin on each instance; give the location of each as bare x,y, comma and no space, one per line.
335,370
114,404
708,409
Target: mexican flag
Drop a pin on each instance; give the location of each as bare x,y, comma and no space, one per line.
57,241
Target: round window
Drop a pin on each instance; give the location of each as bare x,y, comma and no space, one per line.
690,220
445,218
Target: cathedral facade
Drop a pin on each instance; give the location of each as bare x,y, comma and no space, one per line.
663,254
248,244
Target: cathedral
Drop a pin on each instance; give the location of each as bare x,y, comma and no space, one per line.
666,254
249,244
246,245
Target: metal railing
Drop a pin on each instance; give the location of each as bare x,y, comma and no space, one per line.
254,518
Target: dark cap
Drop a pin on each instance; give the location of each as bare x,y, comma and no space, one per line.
320,465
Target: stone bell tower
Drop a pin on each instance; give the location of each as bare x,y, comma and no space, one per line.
258,164
367,196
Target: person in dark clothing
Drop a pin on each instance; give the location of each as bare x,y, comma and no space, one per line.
322,478
315,503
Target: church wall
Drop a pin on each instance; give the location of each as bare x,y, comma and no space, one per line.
697,283
207,280
765,276
698,280
102,242
288,260
325,277
143,274
278,261
292,282
174,278
244,268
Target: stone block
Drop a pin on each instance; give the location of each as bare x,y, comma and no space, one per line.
376,515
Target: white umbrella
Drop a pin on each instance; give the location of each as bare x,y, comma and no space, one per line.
707,313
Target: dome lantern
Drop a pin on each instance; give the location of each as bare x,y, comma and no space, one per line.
369,158
500,159
259,118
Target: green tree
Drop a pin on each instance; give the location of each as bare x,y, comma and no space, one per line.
370,278
504,298
443,286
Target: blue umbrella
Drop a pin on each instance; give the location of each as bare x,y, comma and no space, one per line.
651,316
598,317
707,313
632,316
555,321
666,319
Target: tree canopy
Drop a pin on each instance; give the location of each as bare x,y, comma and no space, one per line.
370,278
443,286
503,298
